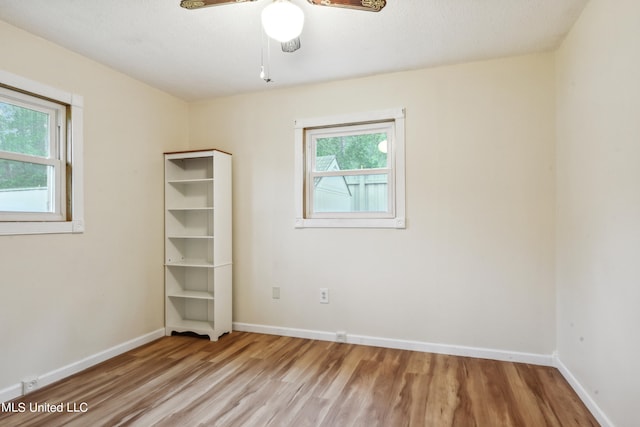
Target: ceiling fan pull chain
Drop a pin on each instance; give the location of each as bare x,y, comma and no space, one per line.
264,69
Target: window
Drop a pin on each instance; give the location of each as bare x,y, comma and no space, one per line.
40,158
32,153
350,171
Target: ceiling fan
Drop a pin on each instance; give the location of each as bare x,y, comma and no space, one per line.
283,20
371,5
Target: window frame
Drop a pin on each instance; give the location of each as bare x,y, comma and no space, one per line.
307,129
67,157
313,134
56,136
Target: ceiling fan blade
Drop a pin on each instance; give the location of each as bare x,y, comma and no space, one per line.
370,5
197,4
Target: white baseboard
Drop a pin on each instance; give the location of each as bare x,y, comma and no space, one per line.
593,407
285,332
14,391
11,392
454,350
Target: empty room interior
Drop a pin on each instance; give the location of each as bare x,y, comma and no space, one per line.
497,232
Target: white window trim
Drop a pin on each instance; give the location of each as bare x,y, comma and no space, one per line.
398,158
74,157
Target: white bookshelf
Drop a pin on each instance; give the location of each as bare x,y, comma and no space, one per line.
198,265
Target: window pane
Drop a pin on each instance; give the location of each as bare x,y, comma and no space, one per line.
365,151
360,193
24,187
23,130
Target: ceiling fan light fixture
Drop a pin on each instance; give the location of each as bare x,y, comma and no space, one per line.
282,20
291,46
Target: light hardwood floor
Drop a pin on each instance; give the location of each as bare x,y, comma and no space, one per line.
258,380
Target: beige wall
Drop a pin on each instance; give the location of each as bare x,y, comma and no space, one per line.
475,265
66,297
598,205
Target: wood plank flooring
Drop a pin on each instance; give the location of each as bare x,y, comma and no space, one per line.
256,380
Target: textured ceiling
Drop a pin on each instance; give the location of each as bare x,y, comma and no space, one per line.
198,54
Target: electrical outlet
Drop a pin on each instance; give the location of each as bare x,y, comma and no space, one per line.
275,292
29,384
324,295
341,336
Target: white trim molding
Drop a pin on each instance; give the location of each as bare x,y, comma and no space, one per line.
591,405
425,347
15,390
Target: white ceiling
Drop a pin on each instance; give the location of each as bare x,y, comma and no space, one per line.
198,54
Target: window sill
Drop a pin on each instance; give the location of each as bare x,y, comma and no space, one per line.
14,228
399,223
